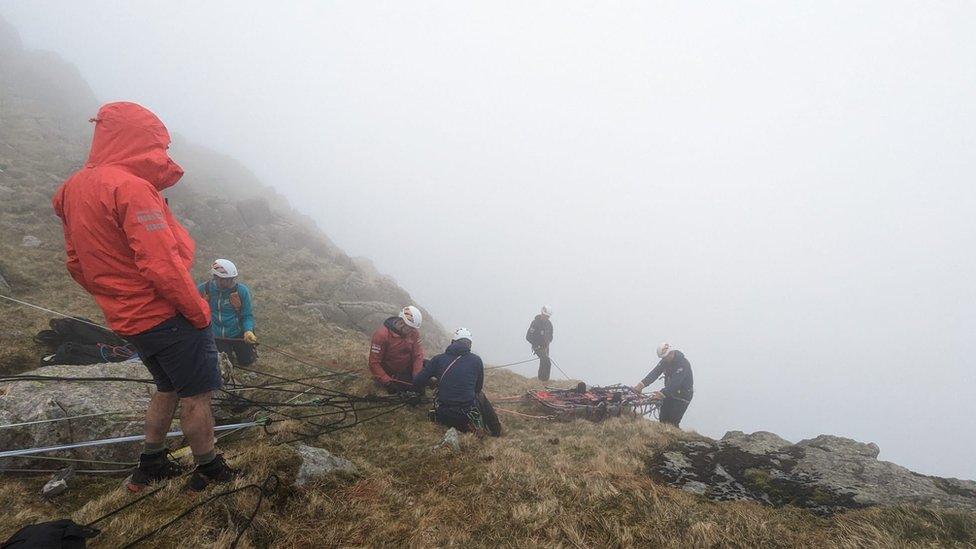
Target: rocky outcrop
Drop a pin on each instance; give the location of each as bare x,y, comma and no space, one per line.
255,212
44,412
826,474
114,409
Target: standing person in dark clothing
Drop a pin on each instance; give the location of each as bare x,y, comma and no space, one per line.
540,336
459,401
678,383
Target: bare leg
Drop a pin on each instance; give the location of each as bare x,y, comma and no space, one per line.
159,416
197,420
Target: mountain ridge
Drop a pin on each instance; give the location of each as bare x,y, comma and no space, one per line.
44,137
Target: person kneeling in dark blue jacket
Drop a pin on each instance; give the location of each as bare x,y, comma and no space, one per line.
459,401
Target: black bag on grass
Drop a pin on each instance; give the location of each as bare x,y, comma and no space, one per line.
55,534
76,330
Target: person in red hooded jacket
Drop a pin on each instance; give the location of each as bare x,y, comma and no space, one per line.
395,354
128,251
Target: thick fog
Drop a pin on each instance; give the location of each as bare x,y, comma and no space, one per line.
784,191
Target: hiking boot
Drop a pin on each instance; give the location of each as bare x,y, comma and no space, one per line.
152,468
215,472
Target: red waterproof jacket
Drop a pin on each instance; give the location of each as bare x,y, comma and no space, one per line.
392,356
124,245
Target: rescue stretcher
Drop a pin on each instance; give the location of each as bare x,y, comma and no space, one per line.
594,403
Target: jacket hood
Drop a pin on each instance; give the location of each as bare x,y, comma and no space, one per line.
130,136
458,348
390,324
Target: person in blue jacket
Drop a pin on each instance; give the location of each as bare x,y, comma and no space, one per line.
459,402
232,319
679,383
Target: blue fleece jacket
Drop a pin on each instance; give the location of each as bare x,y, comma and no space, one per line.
460,385
225,321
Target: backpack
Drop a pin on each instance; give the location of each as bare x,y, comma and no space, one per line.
55,534
83,353
76,330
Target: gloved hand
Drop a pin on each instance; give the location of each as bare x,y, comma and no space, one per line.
657,395
250,337
639,387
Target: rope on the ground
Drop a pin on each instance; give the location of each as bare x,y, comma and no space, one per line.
265,489
344,405
520,414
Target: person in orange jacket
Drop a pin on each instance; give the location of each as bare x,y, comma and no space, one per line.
129,252
395,354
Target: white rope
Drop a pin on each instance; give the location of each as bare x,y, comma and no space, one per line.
38,422
533,359
38,307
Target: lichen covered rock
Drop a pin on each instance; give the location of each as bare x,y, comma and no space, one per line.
826,474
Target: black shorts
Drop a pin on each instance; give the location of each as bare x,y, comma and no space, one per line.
180,357
242,352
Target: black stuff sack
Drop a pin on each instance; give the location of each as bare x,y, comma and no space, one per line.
55,534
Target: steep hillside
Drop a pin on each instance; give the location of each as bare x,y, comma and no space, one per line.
304,286
545,483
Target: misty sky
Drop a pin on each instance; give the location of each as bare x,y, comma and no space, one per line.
784,191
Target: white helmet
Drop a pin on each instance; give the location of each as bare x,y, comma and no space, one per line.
461,333
223,268
547,310
412,316
663,350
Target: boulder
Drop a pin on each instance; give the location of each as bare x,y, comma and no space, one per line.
318,463
111,409
121,407
451,440
826,474
30,241
4,286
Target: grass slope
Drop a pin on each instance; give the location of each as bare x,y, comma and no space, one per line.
552,484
